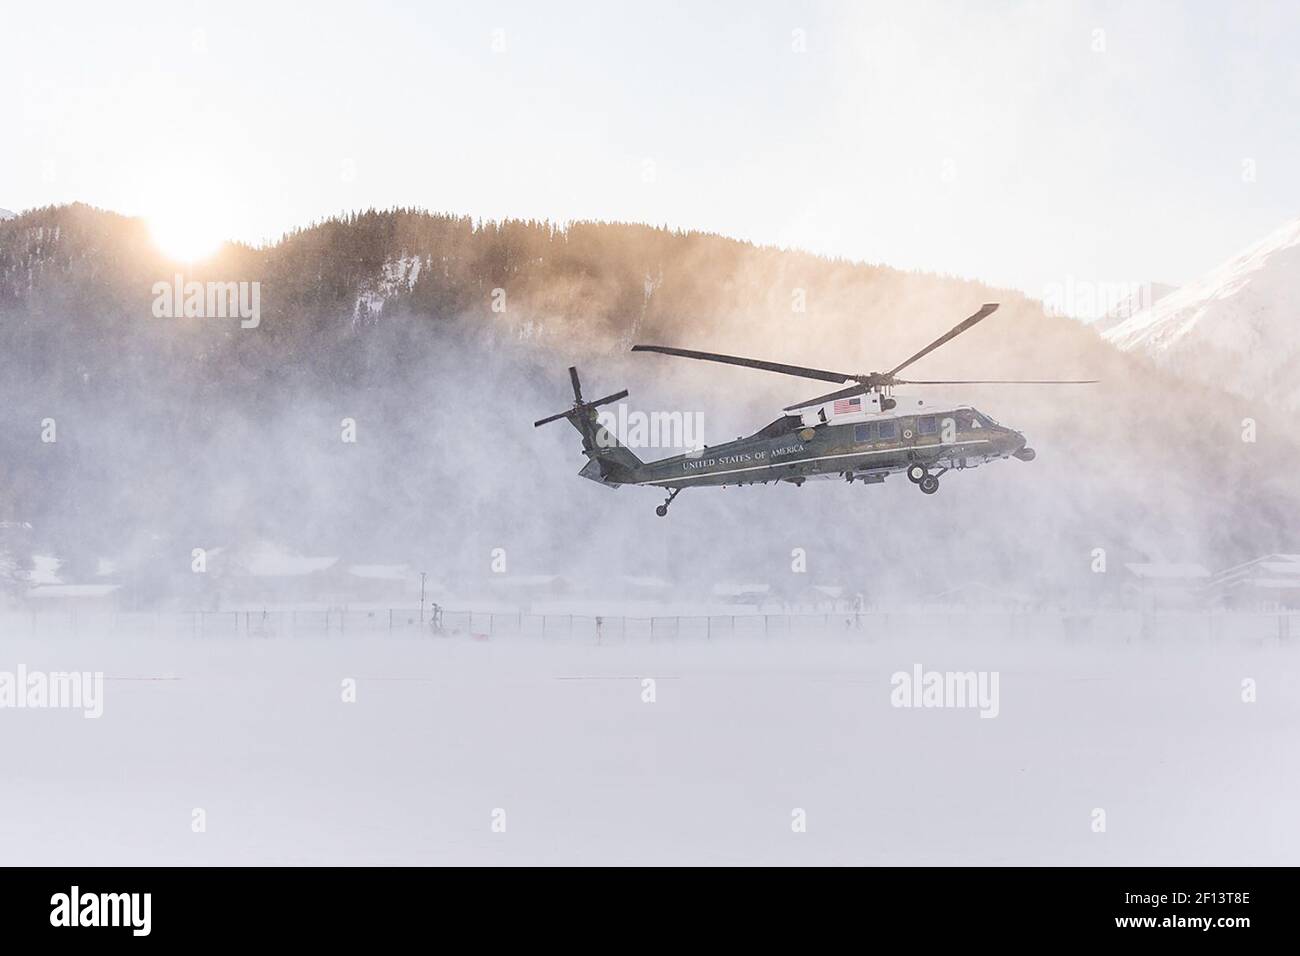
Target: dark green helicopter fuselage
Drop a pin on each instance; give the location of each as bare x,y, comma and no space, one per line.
787,450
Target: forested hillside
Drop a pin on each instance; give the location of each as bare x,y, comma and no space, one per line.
443,339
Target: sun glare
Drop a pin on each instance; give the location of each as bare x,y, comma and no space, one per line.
185,237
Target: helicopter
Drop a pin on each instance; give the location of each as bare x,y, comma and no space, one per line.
869,433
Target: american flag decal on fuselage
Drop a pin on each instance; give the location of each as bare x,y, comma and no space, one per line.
846,406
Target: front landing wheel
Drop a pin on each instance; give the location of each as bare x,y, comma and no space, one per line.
915,473
929,484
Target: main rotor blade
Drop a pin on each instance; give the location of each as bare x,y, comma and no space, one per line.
608,398
985,311
823,399
999,381
798,370
553,418
577,388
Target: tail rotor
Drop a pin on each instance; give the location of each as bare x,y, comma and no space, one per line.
581,411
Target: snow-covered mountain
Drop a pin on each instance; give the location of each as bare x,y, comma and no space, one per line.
1238,326
1143,297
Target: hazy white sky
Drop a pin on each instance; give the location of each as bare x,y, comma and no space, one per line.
1021,143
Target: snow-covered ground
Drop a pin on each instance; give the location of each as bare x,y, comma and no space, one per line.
445,732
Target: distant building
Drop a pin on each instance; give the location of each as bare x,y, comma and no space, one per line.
976,596
823,599
1269,583
265,575
395,583
1158,586
646,588
74,597
753,594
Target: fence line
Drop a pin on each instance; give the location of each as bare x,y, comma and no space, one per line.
1193,626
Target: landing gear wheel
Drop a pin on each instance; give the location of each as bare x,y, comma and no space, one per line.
662,510
929,484
915,473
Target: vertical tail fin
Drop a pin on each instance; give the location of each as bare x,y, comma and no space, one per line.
611,463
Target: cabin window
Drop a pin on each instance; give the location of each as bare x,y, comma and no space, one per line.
862,432
927,426
888,429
